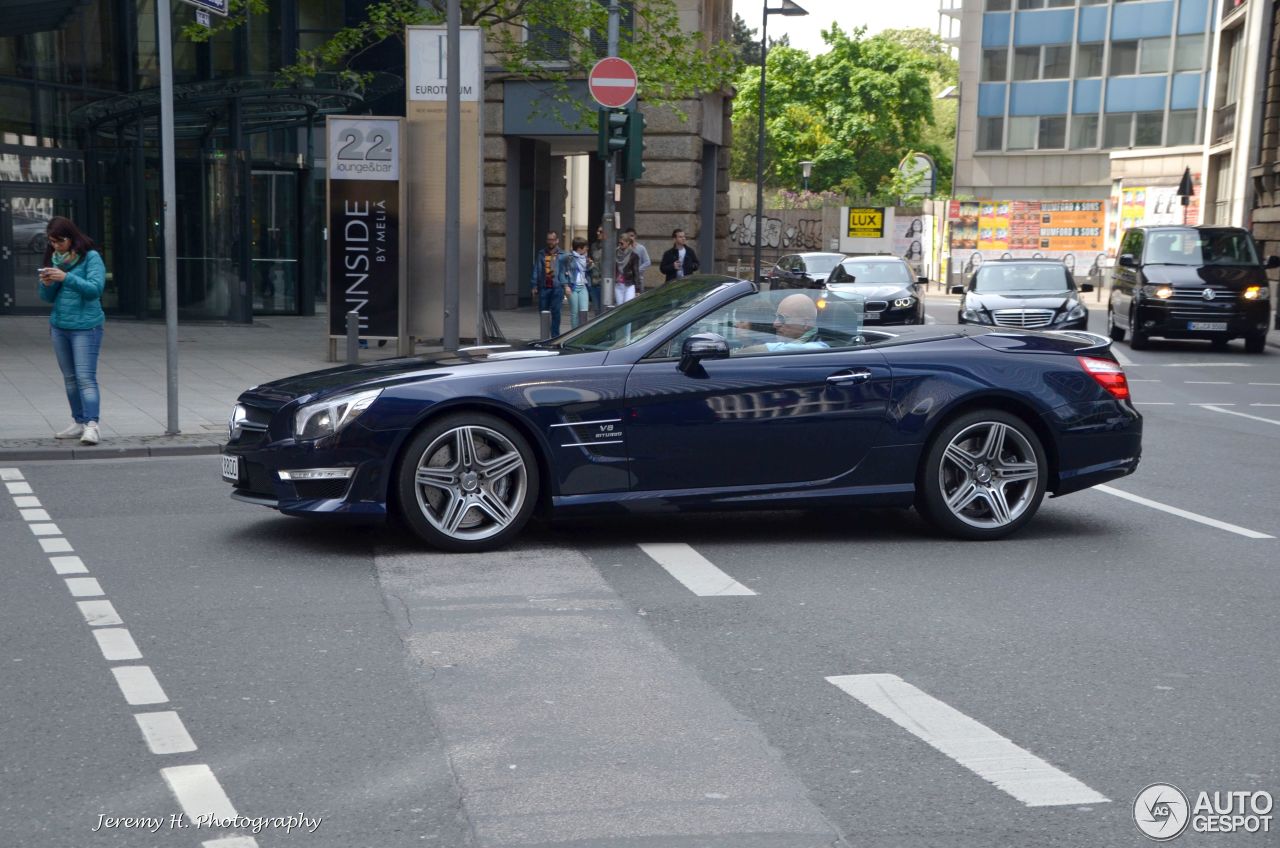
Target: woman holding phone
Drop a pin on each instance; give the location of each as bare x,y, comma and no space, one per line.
72,279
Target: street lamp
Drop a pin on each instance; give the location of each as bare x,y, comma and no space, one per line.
789,9
806,168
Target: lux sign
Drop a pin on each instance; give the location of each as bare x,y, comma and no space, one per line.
865,223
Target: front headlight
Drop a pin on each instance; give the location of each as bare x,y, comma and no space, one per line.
973,314
904,302
1074,313
1257,293
326,417
1162,292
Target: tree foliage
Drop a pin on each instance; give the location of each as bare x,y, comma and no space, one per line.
855,111
548,40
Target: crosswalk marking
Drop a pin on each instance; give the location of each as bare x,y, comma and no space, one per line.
692,569
970,743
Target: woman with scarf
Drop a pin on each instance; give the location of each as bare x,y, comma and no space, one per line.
72,279
628,269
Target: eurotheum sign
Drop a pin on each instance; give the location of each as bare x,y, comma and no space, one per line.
365,202
865,223
218,7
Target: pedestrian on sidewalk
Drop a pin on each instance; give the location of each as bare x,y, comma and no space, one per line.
680,260
628,270
596,269
548,293
642,253
574,276
72,278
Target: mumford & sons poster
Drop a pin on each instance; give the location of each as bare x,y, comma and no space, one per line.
365,262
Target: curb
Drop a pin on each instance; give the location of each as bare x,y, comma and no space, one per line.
29,454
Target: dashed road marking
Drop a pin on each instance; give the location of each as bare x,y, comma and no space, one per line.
1264,384
56,546
33,514
1216,407
18,488
138,684
116,644
1182,513
68,565
694,570
1124,360
199,792
1208,382
84,587
25,501
970,743
99,613
231,842
10,474
45,529
165,733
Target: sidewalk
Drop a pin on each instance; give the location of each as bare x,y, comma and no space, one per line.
215,364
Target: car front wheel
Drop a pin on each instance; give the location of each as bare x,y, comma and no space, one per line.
1116,333
983,476
468,482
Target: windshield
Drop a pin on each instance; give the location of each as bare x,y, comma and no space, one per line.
820,264
1020,278
872,272
1200,247
640,317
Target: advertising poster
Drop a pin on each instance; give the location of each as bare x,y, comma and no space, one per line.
1072,226
993,226
964,228
909,239
865,223
1024,225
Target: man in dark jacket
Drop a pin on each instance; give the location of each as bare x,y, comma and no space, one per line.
680,260
547,291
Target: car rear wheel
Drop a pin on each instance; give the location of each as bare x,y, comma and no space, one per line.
983,476
1113,331
468,482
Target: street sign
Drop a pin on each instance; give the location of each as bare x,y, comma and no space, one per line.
218,7
612,82
202,17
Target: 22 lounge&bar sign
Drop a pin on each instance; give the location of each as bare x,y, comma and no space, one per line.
366,233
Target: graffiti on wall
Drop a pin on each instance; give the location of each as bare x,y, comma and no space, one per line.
791,232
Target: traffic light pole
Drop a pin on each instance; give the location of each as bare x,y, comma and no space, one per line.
609,254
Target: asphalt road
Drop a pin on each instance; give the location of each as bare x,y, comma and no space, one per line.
852,679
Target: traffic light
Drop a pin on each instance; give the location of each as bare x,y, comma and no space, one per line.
613,132
633,153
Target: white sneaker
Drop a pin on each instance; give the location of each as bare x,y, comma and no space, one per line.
72,432
91,436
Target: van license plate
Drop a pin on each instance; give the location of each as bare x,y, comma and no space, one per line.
231,469
1207,325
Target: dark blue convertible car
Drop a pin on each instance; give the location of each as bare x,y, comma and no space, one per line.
704,394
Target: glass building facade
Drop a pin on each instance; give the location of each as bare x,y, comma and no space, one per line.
1055,75
79,111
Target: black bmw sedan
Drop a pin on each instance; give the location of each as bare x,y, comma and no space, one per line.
1024,293
704,394
888,291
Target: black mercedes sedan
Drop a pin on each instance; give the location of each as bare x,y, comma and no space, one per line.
885,285
1024,293
705,394
801,270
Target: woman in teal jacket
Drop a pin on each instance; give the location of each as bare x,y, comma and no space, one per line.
72,280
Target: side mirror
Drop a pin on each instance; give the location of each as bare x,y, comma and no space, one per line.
1273,262
701,346
957,290
1086,287
923,281
1126,260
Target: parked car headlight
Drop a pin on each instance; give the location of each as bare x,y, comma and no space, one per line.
1257,293
326,417
1075,313
974,314
904,302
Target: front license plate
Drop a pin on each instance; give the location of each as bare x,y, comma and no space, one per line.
231,468
1206,325
872,316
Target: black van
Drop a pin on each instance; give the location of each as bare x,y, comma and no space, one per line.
1190,283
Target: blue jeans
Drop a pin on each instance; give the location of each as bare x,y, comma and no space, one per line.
578,302
549,300
77,352
596,304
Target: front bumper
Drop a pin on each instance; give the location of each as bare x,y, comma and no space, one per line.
1174,320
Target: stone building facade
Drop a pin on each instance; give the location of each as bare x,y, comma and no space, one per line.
1265,175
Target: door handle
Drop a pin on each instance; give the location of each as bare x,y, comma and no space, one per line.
848,378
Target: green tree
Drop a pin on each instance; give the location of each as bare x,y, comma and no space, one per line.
549,40
939,139
854,111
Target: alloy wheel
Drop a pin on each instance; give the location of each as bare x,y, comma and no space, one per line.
989,474
471,483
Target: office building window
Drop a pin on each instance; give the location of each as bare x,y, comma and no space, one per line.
1124,58
1030,4
1182,127
1057,62
1093,2
995,65
1089,60
1084,132
1117,130
990,133
1022,133
1057,3
1148,128
1154,58
1026,63
1189,54
999,5
1053,133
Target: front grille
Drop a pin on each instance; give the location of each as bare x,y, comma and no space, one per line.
1188,296
875,306
321,489
1022,317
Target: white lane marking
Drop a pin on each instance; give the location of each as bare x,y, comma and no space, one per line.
1208,365
231,842
199,792
1264,384
1208,382
19,488
1182,513
139,685
84,587
1153,403
45,529
117,644
970,743
1216,407
1264,404
25,501
56,546
1121,357
10,474
68,565
34,514
165,733
99,613
1132,380
693,569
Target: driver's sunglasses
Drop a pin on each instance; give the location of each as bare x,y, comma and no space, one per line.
779,318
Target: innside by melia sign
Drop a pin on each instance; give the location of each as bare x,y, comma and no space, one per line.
365,203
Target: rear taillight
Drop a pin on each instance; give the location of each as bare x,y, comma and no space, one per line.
1109,375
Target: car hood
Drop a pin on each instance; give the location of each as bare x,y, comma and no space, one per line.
1019,300
387,372
870,291
1229,276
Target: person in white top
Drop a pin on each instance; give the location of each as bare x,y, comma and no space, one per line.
680,261
642,253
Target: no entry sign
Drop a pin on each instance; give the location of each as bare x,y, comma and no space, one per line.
612,82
